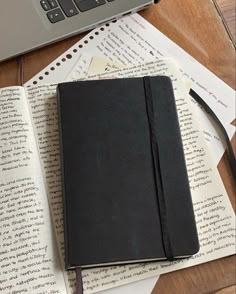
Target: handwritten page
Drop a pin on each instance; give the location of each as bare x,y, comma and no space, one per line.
214,213
133,40
215,139
212,133
43,109
29,261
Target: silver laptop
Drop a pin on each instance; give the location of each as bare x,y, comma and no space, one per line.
29,24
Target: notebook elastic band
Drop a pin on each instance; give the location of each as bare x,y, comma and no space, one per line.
157,171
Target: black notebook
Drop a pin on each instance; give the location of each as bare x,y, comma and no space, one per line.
126,190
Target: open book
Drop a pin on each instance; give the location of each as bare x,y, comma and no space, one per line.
31,219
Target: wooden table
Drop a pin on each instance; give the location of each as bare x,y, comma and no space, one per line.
198,29
227,11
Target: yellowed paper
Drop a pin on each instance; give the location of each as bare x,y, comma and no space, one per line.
29,260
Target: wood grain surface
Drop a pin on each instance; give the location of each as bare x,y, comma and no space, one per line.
228,290
198,29
227,9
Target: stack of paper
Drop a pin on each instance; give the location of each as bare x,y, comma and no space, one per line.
130,47
213,210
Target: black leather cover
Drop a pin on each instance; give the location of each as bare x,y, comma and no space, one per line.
126,191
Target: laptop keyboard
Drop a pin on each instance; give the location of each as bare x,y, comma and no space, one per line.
58,10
